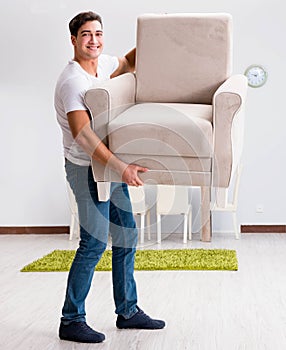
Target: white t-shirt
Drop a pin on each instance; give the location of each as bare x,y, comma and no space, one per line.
69,96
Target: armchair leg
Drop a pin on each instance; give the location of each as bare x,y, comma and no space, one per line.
205,214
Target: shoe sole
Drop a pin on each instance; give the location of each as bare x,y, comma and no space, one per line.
140,328
82,341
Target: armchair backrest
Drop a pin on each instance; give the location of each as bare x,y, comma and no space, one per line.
182,57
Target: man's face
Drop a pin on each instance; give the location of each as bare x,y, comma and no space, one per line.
89,40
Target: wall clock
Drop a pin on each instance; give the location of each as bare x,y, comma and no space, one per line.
256,75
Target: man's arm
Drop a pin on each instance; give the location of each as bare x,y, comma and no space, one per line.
79,124
126,64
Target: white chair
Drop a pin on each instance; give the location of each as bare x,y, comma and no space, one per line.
74,223
174,200
223,204
139,207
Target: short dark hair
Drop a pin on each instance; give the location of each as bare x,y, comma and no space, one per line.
81,19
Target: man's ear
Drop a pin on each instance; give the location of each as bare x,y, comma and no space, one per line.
73,40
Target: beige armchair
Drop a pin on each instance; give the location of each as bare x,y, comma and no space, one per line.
181,114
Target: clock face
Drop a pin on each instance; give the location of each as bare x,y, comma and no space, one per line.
256,76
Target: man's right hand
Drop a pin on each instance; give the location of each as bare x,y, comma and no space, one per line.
130,175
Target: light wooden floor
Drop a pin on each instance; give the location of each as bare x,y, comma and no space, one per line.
204,310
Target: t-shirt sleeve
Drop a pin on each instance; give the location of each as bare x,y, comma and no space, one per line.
72,93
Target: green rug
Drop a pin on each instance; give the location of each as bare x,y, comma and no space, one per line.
178,259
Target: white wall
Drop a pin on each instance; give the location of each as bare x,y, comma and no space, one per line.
34,49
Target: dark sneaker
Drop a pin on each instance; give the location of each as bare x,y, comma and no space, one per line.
80,332
139,321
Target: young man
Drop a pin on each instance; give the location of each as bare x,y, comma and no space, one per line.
97,218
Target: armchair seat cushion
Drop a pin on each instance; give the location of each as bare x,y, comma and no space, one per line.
163,129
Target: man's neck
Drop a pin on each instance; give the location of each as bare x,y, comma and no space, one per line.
90,66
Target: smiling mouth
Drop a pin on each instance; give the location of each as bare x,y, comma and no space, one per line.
93,47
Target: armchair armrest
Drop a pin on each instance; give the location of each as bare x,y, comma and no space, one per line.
228,124
109,99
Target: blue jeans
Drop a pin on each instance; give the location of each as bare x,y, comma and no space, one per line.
96,220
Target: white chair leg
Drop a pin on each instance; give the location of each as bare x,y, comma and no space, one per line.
185,228
78,229
72,226
236,229
148,219
75,228
142,228
159,238
74,223
190,224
